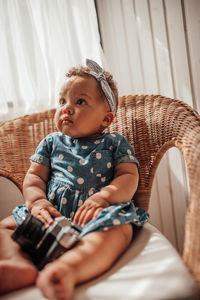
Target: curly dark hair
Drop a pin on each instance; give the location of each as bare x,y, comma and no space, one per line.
81,71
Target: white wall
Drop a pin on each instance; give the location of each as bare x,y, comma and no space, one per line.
153,47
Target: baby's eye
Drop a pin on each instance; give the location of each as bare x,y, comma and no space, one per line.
62,101
81,102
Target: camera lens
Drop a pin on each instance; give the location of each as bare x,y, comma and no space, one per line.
29,233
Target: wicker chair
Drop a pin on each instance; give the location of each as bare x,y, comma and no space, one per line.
152,124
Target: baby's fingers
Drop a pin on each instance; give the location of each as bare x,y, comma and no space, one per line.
78,214
97,211
54,212
87,215
45,215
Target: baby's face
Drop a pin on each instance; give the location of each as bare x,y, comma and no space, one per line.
81,110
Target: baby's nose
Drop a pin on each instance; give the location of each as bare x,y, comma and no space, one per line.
68,109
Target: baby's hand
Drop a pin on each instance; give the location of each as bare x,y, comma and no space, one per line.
90,209
44,211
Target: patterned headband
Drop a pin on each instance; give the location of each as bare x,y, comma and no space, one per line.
97,72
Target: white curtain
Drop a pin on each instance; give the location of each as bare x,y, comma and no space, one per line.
39,41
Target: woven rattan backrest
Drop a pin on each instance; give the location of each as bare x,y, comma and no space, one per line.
18,141
152,124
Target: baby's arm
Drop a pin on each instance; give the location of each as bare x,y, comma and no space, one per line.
34,192
120,190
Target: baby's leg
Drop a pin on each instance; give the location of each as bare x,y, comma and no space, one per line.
16,270
92,256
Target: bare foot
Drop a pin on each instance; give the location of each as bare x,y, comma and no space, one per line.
56,281
15,275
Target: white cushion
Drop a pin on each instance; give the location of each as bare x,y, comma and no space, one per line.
150,269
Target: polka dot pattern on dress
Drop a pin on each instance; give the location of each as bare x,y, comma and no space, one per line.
64,200
98,155
61,156
109,165
116,222
97,142
80,180
81,161
69,169
91,191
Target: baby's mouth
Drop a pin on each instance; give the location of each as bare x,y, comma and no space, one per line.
66,120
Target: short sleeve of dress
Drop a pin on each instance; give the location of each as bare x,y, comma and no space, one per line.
124,152
43,151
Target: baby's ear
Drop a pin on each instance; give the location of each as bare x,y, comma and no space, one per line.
108,119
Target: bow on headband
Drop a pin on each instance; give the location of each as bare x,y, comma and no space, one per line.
97,72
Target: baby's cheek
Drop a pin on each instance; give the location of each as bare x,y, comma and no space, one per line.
57,119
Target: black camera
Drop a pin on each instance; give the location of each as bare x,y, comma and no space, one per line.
44,245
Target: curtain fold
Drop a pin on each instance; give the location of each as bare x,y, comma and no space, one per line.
39,41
